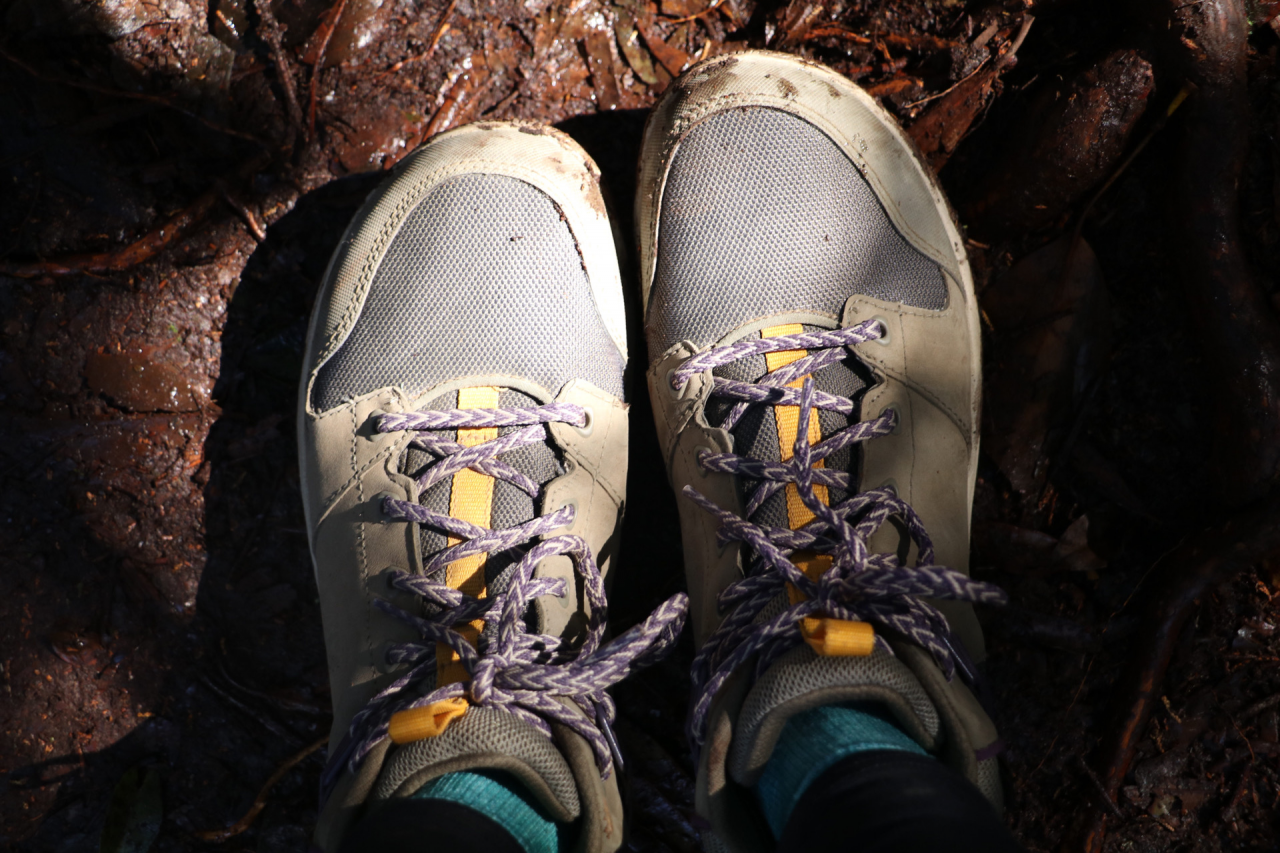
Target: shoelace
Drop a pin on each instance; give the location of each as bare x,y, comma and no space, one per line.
859,586
527,675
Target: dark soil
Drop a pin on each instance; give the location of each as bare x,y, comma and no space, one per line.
175,177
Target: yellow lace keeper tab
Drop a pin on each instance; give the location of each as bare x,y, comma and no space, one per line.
428,721
838,637
814,566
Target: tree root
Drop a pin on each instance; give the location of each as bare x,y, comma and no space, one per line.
1195,568
143,249
1205,43
152,243
158,100
1234,321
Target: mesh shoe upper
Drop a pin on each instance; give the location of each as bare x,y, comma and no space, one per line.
484,277
762,205
808,295
463,448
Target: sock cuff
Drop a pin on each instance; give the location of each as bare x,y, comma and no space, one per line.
813,741
503,799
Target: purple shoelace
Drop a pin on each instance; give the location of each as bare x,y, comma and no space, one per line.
531,676
859,586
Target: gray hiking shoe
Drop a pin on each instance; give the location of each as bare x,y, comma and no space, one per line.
814,370
463,444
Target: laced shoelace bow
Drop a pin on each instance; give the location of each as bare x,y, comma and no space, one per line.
528,675
859,586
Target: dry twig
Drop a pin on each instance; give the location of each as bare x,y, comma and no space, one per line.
939,131
325,31
274,38
220,835
918,42
441,28
1258,707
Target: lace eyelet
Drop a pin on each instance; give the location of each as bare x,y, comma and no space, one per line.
703,473
381,662
897,424
885,338
676,392
382,584
379,500
589,422
573,505
890,484
371,421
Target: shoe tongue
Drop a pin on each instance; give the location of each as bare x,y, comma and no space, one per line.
801,680
756,433
485,739
509,505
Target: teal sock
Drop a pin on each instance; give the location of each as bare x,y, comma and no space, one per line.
812,741
503,799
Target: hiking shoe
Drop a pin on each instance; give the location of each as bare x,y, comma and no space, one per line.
815,376
463,445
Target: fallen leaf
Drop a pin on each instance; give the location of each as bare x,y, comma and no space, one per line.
943,125
672,58
135,814
940,129
682,8
633,51
1073,552
1011,548
797,21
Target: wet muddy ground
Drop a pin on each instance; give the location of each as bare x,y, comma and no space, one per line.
175,175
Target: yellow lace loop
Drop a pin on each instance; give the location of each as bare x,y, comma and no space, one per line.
428,721
826,636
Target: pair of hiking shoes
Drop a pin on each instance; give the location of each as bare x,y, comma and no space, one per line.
814,372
